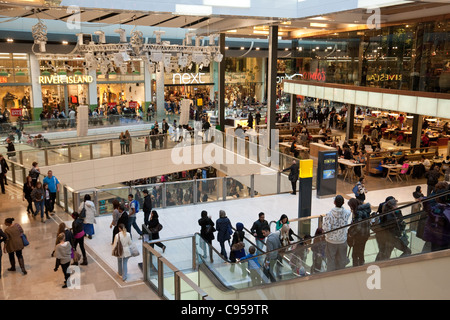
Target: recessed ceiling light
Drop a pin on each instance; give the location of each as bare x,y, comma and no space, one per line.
65,42
257,48
286,49
242,48
226,48
10,40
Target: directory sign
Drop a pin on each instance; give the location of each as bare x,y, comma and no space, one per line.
327,173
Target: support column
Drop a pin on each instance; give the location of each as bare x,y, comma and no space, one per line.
221,94
272,81
350,122
416,131
293,109
160,111
147,87
36,90
92,91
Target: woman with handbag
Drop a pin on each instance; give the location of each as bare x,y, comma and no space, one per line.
154,226
89,218
78,235
121,250
206,231
63,254
238,247
14,244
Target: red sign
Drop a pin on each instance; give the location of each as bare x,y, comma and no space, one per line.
16,112
133,104
3,79
317,75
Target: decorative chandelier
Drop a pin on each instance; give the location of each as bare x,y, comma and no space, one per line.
161,55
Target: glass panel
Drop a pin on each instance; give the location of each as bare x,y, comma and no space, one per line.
80,152
179,193
168,282
209,189
266,184
152,269
29,156
186,291
58,155
101,150
238,187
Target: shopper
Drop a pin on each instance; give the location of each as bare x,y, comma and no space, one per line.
14,244
293,175
3,238
147,206
272,256
38,197
34,173
360,189
89,219
318,249
11,150
122,261
27,189
63,251
254,268
284,220
358,234
120,216
3,170
122,143
224,231
336,249
133,210
437,225
153,227
53,187
256,230
432,177
78,235
206,231
392,234
47,200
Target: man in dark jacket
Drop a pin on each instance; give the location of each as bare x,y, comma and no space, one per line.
10,148
293,175
432,177
147,207
256,230
3,170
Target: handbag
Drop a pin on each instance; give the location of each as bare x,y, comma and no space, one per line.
83,211
25,240
156,229
118,249
75,255
238,245
134,250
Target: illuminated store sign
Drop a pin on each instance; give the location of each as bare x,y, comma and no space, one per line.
63,79
316,76
384,77
187,78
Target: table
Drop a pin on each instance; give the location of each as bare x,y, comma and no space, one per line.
390,167
350,164
316,137
298,147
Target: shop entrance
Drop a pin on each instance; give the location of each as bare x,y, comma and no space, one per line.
63,96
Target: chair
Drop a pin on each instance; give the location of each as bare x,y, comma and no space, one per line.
395,172
404,171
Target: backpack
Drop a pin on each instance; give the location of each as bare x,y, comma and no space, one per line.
136,205
355,190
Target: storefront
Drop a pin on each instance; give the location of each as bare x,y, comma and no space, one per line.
15,87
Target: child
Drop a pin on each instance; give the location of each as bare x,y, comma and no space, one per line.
253,266
47,200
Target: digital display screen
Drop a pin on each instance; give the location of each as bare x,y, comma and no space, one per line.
329,166
329,174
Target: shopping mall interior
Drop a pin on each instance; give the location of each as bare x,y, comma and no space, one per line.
176,112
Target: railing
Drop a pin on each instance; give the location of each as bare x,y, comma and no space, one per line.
398,236
66,197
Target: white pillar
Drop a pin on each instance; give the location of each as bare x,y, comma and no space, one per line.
82,121
36,90
92,98
160,111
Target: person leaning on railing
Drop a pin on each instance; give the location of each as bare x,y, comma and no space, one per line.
437,225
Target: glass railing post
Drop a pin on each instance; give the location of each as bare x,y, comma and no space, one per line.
195,191
21,157
13,173
66,198
96,202
111,151
24,175
69,154
194,252
177,286
46,156
160,278
252,186
278,182
164,195
224,188
91,151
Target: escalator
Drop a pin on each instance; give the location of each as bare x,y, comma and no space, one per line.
394,239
